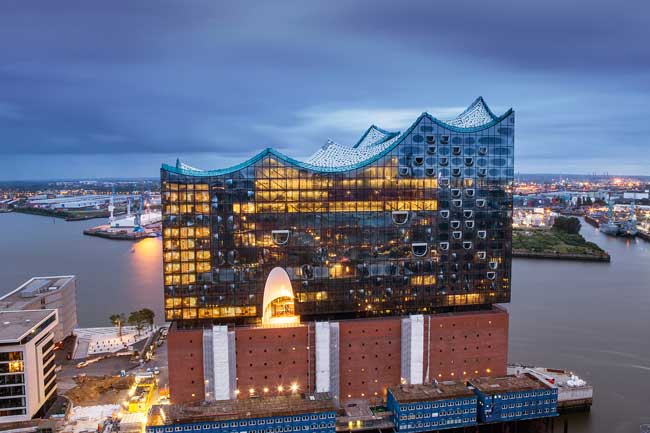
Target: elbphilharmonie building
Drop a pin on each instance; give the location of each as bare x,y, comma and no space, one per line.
365,266
399,222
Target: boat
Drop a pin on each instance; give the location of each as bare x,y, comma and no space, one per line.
609,228
619,228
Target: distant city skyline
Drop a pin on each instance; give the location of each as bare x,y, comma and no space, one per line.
91,89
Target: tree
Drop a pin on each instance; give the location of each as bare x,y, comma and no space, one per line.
118,321
148,316
136,319
569,225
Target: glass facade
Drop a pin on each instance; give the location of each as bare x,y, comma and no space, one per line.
12,379
422,226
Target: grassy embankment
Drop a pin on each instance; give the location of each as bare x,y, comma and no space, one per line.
67,214
553,243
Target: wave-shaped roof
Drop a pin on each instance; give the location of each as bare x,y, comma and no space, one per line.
373,144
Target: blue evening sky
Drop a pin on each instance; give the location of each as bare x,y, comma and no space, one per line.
114,88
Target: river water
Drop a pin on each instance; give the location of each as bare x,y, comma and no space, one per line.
593,318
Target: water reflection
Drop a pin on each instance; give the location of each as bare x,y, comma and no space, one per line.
112,276
144,265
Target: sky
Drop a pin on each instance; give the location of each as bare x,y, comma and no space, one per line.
116,88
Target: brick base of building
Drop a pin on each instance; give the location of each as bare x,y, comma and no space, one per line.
351,359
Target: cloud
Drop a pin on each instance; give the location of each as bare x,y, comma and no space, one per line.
230,78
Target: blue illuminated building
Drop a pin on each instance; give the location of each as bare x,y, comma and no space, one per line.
315,414
421,408
514,398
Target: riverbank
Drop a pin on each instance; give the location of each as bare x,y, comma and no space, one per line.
68,215
541,243
524,254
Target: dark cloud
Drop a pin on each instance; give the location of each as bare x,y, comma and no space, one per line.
229,78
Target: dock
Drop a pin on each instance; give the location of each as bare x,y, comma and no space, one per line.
574,393
124,234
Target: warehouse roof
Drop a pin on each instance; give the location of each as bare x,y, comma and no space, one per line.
440,391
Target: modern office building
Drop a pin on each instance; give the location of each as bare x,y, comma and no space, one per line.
27,367
55,293
364,267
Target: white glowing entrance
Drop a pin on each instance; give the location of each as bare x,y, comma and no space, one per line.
278,302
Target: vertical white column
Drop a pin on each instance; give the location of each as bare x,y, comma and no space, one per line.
221,363
323,357
412,349
208,364
417,349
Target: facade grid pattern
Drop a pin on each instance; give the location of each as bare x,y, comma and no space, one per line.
423,227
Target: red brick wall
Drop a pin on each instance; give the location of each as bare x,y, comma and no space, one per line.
273,357
466,345
461,345
369,357
185,358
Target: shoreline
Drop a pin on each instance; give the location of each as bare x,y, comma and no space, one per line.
561,256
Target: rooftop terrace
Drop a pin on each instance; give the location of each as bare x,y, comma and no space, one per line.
34,288
501,385
240,409
442,391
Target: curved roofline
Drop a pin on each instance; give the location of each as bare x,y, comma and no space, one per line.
477,101
321,169
387,136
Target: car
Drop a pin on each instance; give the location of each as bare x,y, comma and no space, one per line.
149,370
156,370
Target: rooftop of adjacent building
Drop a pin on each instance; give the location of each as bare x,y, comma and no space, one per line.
15,325
32,289
506,384
224,410
441,391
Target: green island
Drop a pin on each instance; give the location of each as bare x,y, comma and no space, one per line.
68,214
562,241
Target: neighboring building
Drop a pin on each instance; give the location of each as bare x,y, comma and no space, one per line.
636,195
380,262
513,398
69,202
27,368
56,293
316,414
424,408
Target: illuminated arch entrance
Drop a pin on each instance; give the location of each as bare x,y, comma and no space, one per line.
278,301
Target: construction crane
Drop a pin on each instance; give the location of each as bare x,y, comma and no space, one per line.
111,207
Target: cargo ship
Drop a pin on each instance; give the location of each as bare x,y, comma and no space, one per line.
619,228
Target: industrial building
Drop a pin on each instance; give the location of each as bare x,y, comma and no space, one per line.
315,413
55,292
423,408
27,367
513,398
365,267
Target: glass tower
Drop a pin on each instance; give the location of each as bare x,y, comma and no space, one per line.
401,222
